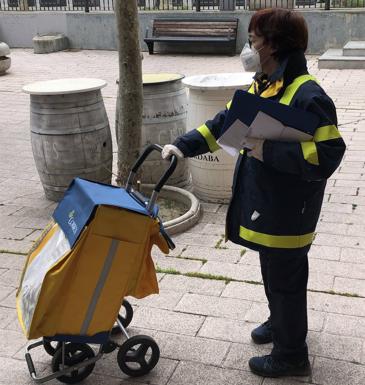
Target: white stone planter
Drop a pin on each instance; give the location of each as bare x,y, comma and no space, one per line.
4,60
4,64
212,174
188,219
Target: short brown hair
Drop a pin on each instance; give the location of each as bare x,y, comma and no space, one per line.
284,30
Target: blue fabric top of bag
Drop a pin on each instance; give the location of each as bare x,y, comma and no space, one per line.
80,200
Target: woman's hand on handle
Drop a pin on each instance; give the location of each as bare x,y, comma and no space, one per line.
170,149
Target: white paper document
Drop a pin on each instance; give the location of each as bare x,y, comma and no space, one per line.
262,127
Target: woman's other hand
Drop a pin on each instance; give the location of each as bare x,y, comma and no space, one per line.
256,148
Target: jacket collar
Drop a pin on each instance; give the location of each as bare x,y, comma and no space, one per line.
289,68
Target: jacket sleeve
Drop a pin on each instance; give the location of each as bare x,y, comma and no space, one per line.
203,139
312,160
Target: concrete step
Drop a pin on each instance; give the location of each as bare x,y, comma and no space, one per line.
334,59
354,48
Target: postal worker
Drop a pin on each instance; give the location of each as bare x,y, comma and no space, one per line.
278,186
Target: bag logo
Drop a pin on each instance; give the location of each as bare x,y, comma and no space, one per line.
71,221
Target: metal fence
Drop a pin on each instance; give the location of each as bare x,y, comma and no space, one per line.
172,5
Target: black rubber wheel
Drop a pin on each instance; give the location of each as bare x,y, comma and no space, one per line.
125,318
74,354
138,355
49,348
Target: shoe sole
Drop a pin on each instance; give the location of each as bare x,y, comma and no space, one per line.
292,374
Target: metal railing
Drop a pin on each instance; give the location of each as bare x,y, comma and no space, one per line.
172,5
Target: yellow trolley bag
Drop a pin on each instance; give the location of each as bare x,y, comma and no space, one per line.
74,282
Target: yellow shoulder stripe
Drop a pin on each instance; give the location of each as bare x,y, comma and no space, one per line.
293,88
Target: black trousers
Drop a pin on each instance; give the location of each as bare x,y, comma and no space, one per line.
285,280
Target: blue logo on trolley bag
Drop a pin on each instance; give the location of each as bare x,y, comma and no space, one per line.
71,221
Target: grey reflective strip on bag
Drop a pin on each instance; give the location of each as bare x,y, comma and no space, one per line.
99,286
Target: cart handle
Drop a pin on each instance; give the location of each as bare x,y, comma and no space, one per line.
142,158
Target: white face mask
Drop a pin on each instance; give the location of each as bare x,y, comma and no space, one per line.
250,59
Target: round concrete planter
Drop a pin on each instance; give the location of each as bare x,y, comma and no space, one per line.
4,60
4,49
4,64
188,219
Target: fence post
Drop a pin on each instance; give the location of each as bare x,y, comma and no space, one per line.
87,6
327,6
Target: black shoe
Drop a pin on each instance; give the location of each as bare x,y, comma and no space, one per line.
262,334
269,366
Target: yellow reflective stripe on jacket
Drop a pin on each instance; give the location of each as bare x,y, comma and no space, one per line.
309,149
228,105
310,154
277,241
209,138
326,133
293,88
322,134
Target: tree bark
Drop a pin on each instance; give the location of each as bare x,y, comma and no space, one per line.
130,87
23,5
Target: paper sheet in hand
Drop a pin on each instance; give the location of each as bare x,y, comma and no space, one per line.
254,116
263,127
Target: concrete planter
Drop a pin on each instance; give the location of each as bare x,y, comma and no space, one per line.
51,42
4,64
185,221
4,60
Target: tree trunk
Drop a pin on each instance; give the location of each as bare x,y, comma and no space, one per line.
130,87
23,5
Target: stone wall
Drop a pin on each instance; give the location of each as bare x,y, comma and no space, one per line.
328,29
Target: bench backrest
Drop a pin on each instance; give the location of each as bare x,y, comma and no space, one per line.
199,27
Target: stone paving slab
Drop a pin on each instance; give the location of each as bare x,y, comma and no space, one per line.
202,325
188,373
212,306
192,285
186,348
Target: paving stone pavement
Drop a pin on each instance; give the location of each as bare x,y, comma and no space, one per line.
205,311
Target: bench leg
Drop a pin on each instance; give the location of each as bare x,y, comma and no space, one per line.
150,47
232,49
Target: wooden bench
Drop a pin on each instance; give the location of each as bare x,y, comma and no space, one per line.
221,32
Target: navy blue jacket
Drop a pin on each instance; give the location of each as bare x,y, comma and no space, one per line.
276,203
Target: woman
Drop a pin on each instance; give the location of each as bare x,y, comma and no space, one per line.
278,187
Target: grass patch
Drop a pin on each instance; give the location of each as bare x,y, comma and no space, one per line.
219,243
342,294
203,260
209,276
167,271
3,251
227,280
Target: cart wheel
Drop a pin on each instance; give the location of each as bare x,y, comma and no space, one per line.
138,355
49,348
125,318
74,354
